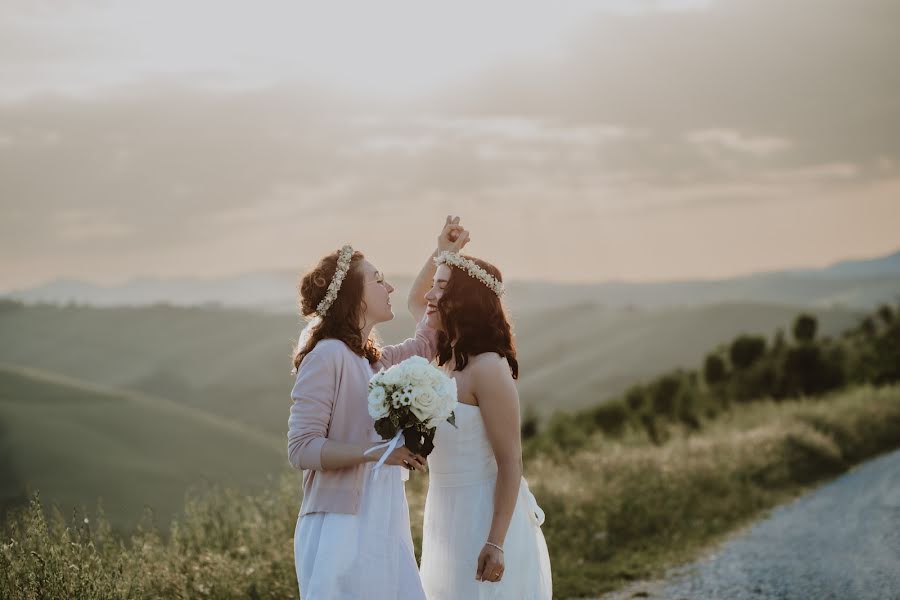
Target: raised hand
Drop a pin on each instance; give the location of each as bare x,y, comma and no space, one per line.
453,236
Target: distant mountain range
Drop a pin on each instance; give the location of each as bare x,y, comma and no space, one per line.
852,284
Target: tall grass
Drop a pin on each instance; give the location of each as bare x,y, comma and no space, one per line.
616,509
226,546
626,509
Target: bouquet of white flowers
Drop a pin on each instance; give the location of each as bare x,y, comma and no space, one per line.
411,398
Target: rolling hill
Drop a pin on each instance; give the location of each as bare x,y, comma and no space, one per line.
76,442
235,363
586,354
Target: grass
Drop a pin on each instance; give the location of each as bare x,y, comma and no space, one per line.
76,442
624,510
616,510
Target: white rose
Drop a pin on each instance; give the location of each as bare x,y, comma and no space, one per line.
425,403
377,406
416,361
393,376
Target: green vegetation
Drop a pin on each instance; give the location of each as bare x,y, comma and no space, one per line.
236,363
229,362
227,545
627,508
617,510
746,370
629,486
77,442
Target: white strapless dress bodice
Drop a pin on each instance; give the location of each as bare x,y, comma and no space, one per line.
458,512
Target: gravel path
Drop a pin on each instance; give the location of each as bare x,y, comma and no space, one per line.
840,542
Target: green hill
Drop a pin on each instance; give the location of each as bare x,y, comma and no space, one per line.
583,355
235,363
230,362
77,442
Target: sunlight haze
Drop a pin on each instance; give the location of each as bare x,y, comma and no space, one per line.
579,141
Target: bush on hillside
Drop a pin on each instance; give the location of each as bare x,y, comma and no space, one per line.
714,369
805,328
746,350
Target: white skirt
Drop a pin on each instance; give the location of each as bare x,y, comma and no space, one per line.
368,555
458,516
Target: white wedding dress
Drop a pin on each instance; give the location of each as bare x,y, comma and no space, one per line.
366,556
458,512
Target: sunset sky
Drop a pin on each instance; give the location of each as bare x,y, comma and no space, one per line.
579,140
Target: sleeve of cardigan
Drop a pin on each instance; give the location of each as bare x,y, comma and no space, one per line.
423,343
313,398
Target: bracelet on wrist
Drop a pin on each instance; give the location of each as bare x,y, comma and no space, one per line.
500,548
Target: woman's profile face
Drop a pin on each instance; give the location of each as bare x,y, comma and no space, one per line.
376,295
441,277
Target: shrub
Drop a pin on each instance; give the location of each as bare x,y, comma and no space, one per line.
805,328
610,416
713,369
746,349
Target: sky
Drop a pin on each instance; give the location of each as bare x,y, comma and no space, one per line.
579,141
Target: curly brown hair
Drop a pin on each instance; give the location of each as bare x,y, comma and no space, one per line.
474,320
343,317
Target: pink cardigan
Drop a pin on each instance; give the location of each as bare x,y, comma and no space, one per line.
330,402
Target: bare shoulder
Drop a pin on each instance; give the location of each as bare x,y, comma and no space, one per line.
492,382
489,365
488,360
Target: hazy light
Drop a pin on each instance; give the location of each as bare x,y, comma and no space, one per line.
388,47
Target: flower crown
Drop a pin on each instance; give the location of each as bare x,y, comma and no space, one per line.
469,266
343,265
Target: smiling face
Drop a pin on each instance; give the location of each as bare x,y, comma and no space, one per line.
376,295
441,278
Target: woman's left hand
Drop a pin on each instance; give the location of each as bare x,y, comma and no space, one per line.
490,564
453,236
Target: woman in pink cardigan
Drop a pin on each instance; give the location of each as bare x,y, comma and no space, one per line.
352,539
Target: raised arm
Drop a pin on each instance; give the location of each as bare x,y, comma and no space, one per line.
498,398
423,343
453,237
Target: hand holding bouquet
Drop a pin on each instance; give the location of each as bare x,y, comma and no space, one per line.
411,399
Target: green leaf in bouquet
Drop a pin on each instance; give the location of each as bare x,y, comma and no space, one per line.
452,419
385,428
406,417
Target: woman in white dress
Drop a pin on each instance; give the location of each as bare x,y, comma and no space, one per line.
352,539
482,536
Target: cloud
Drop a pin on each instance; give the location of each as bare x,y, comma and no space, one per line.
665,115
730,139
820,73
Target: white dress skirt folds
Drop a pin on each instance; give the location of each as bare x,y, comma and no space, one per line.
366,556
458,513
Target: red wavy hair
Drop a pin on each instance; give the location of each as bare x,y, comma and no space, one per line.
343,317
474,319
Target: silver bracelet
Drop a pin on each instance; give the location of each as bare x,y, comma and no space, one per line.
500,548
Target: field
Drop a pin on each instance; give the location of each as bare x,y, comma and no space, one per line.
236,363
617,510
76,443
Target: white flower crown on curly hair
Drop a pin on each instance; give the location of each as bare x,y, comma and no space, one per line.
343,265
469,266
